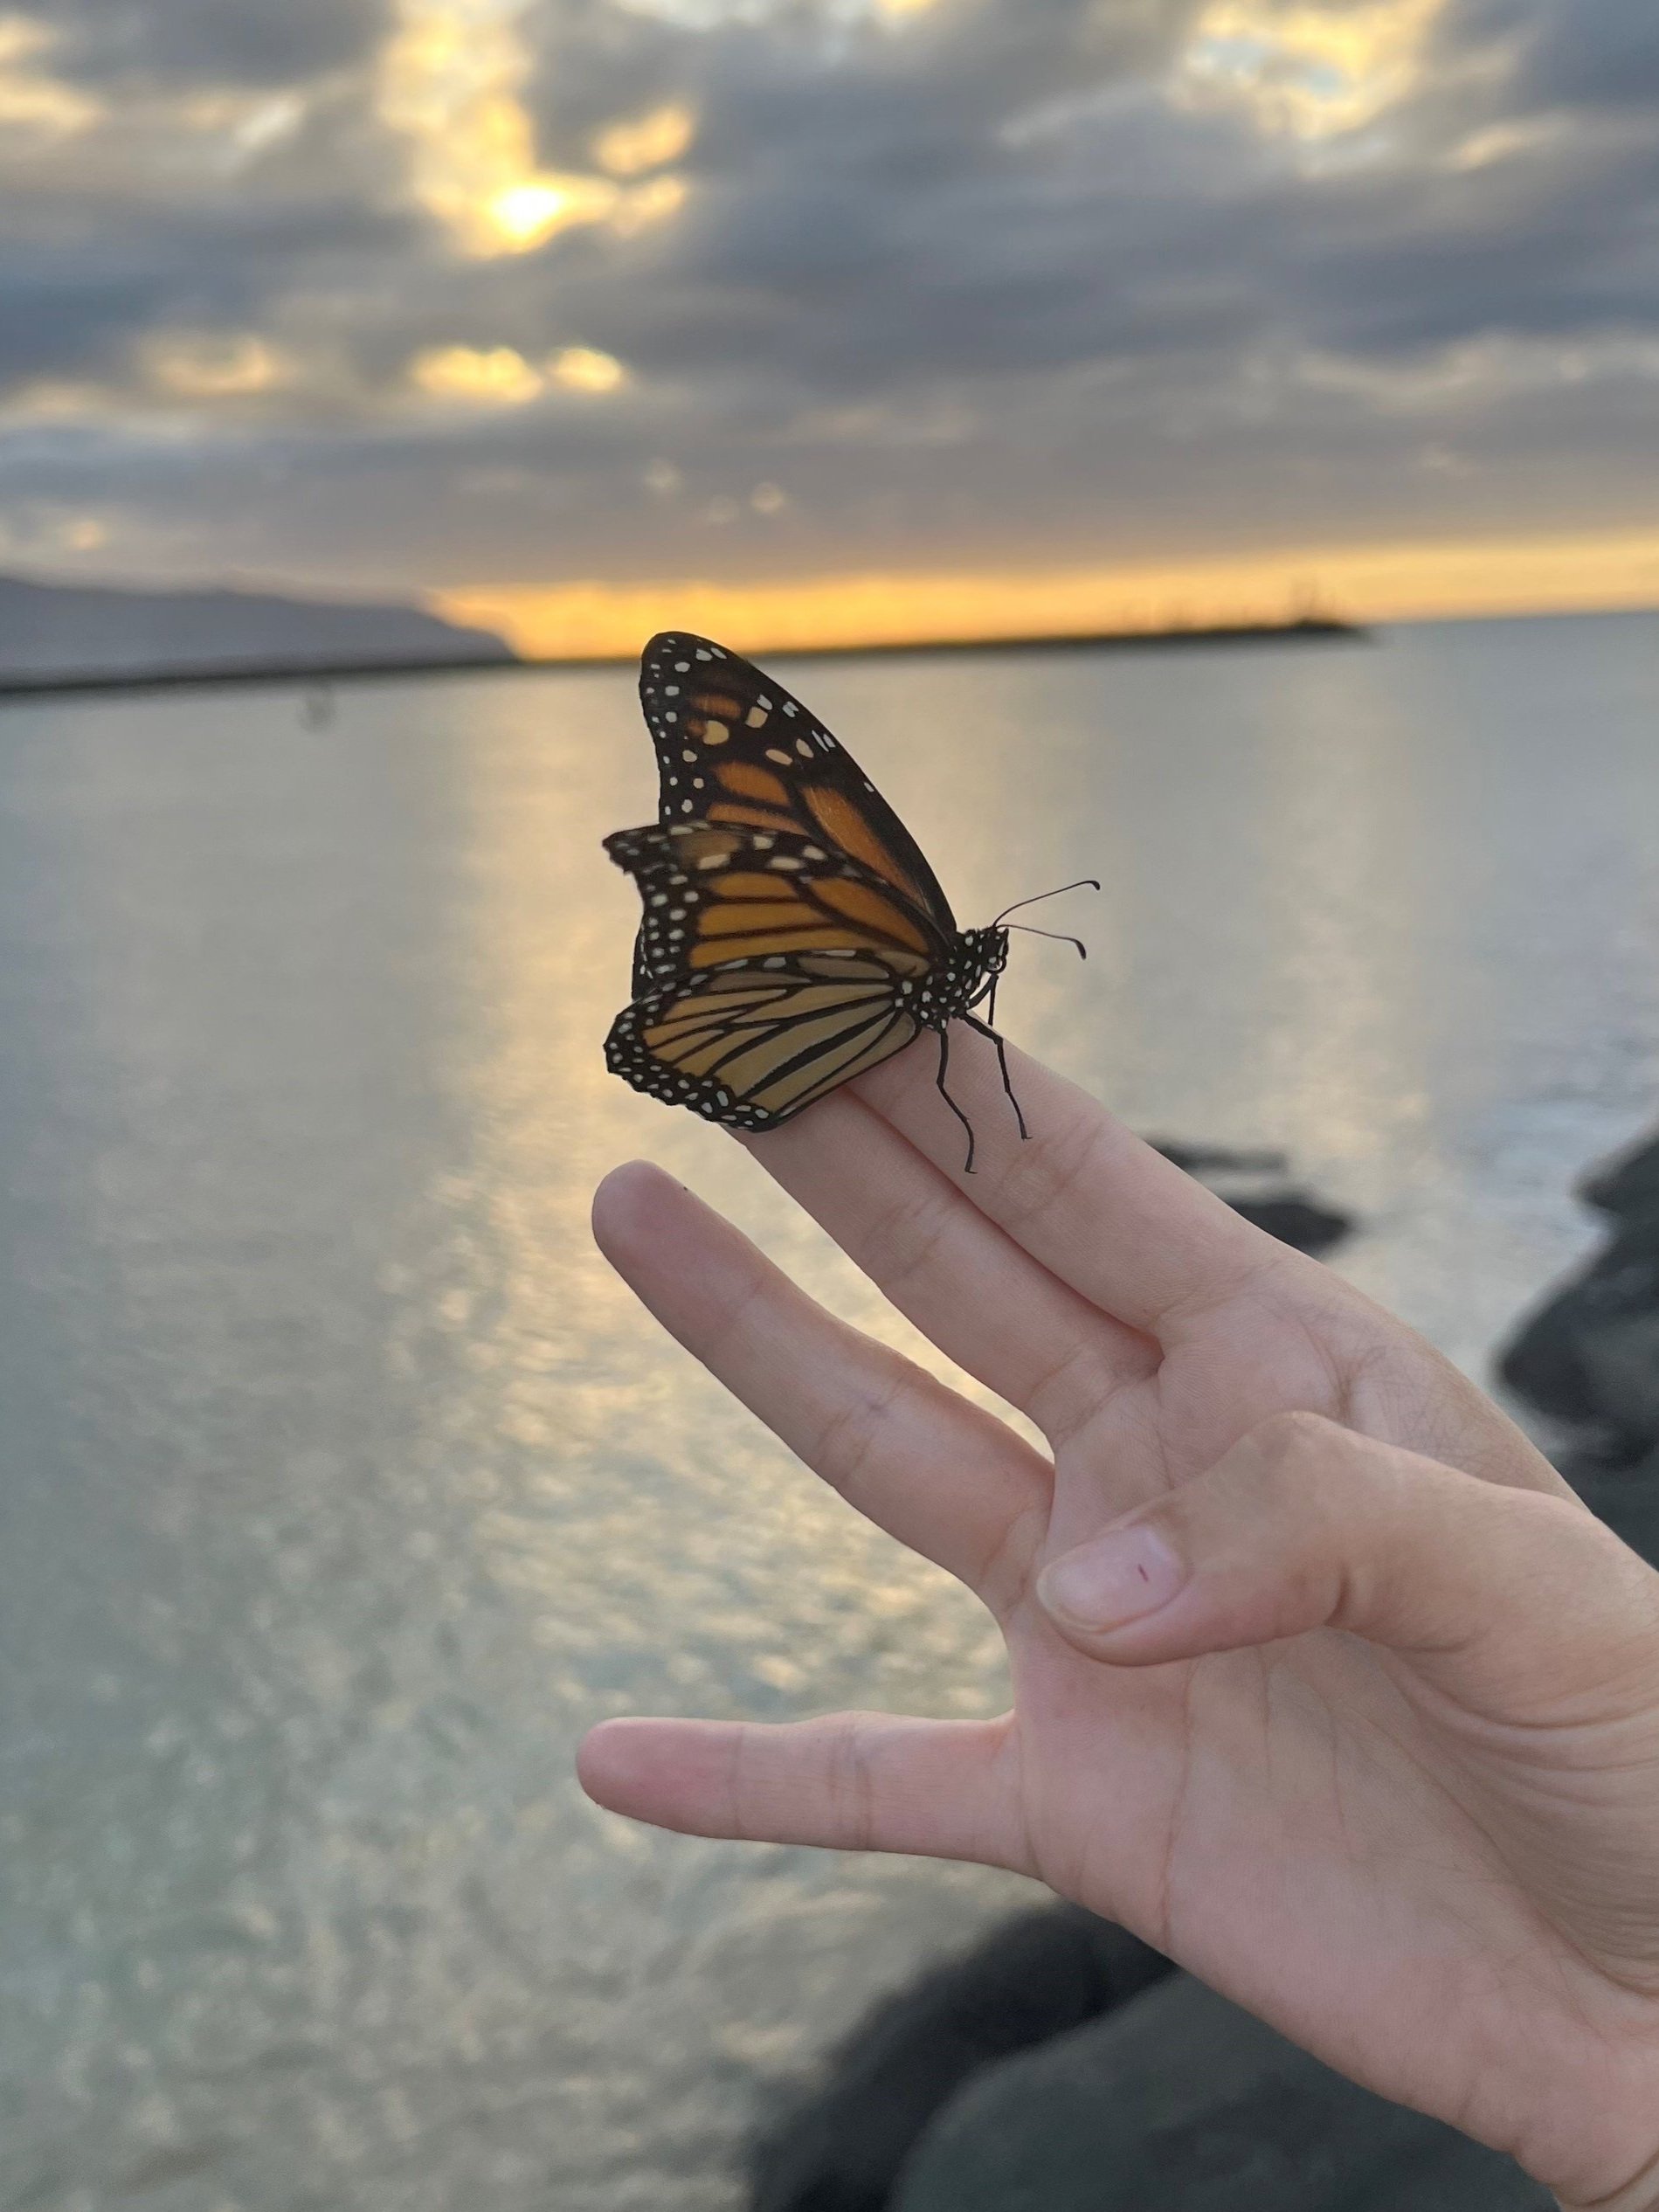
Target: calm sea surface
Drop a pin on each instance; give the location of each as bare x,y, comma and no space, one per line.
341,1487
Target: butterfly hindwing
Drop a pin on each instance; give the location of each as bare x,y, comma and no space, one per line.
736,750
754,1044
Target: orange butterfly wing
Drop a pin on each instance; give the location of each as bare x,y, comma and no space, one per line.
751,1045
734,749
769,970
793,934
713,894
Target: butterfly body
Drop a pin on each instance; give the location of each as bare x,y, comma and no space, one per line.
793,934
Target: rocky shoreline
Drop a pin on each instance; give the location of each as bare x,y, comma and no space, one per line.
1588,1357
1060,2065
1258,1185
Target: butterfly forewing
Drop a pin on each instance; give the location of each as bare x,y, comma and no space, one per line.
737,750
714,895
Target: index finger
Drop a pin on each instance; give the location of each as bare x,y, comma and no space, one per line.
1086,1197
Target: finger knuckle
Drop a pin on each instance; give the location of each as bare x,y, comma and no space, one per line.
851,1438
1070,1391
907,1237
1048,1174
851,1782
1293,1443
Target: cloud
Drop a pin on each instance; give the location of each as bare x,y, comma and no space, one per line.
1593,54
216,42
833,285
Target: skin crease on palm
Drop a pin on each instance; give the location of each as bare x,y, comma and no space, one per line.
1384,1769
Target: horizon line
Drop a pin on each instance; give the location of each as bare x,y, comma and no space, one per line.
320,675
1400,581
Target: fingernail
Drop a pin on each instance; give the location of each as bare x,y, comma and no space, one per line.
1113,1581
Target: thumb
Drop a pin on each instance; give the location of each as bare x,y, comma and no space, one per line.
1304,1525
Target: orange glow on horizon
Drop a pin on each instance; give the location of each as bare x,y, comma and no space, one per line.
1365,584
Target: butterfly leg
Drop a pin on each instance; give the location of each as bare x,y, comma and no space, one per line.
945,1062
1002,1062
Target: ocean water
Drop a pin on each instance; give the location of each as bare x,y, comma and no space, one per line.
341,1487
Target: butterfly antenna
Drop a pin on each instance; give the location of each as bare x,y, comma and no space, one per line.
1053,937
1086,883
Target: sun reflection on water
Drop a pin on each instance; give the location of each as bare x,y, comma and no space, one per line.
641,1491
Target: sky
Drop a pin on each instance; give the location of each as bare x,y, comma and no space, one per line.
806,321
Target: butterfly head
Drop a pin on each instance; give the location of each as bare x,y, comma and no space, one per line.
987,949
977,960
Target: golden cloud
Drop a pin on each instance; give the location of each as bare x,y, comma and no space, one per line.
212,364
584,369
650,142
494,377
501,377
34,103
449,80
1306,71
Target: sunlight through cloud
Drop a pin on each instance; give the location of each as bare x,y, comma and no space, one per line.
584,369
649,141
33,104
496,377
501,377
713,15
212,364
56,400
1307,72
450,80
525,215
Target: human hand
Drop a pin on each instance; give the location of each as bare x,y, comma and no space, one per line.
1378,1759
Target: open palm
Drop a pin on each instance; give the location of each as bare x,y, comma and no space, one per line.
1384,1768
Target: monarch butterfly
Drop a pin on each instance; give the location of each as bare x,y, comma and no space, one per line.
793,935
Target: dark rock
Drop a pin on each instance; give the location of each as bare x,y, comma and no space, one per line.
1291,1214
1295,1220
1620,1366
1581,1355
1625,1497
1626,1185
1215,1159
1179,2102
840,2149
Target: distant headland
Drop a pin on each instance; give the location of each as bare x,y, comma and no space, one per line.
70,637
161,642
1303,629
